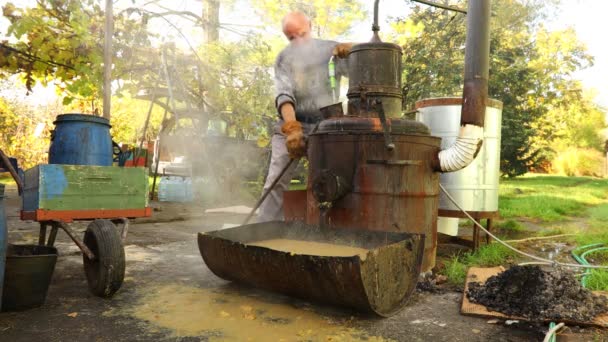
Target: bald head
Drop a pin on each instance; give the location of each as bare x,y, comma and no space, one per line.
296,27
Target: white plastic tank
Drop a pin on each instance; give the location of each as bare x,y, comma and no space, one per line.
175,189
475,187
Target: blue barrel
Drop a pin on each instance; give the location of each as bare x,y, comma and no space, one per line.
3,241
80,139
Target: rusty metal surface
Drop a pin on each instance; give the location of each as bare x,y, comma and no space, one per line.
374,73
391,191
294,205
331,111
476,63
453,101
367,124
381,282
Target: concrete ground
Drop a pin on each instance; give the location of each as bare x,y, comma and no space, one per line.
170,295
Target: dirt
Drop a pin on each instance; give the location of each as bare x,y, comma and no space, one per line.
538,295
163,261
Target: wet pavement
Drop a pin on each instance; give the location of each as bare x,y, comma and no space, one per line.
170,295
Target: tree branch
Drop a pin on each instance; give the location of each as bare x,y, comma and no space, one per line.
445,7
33,58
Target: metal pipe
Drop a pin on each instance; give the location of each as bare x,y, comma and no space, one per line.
475,92
272,185
476,63
375,26
85,250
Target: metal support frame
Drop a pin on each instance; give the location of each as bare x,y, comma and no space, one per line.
42,235
125,227
489,216
55,225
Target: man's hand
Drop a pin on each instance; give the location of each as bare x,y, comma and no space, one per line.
296,145
342,49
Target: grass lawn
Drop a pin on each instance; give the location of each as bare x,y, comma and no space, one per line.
550,198
575,205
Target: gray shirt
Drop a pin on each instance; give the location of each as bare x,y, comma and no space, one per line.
302,76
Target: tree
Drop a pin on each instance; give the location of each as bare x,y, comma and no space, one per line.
330,18
62,41
528,67
23,134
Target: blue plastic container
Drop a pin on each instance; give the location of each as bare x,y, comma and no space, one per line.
80,139
3,241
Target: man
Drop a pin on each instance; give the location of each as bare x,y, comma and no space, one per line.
302,87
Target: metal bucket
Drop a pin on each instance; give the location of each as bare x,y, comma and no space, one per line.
29,269
80,139
380,280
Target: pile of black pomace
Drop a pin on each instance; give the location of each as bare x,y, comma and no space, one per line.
538,295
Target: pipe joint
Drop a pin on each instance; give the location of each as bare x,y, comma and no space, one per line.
463,151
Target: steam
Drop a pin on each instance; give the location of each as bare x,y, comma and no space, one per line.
220,167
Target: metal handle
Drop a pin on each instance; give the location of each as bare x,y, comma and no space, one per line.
387,136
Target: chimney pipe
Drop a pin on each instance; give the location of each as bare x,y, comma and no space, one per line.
476,63
475,92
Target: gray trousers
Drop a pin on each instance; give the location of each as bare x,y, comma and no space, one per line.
272,208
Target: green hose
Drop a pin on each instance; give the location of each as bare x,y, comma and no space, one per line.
580,258
331,68
553,336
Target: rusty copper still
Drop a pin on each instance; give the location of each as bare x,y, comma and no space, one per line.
371,169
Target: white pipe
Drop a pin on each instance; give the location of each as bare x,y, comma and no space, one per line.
463,151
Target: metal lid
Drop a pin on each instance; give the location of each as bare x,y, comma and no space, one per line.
82,118
376,46
452,101
372,125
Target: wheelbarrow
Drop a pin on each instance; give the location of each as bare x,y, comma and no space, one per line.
56,195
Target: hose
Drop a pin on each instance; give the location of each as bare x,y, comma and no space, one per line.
331,69
582,260
551,333
531,256
550,336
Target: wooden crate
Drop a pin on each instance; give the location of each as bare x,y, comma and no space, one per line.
83,187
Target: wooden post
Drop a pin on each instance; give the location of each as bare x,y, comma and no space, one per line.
107,60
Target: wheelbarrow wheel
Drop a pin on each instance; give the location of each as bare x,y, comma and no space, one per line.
106,272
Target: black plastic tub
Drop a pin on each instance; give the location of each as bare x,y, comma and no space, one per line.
29,269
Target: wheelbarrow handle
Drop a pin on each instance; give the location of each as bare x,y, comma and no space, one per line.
12,171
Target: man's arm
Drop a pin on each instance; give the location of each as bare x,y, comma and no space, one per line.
341,50
285,100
